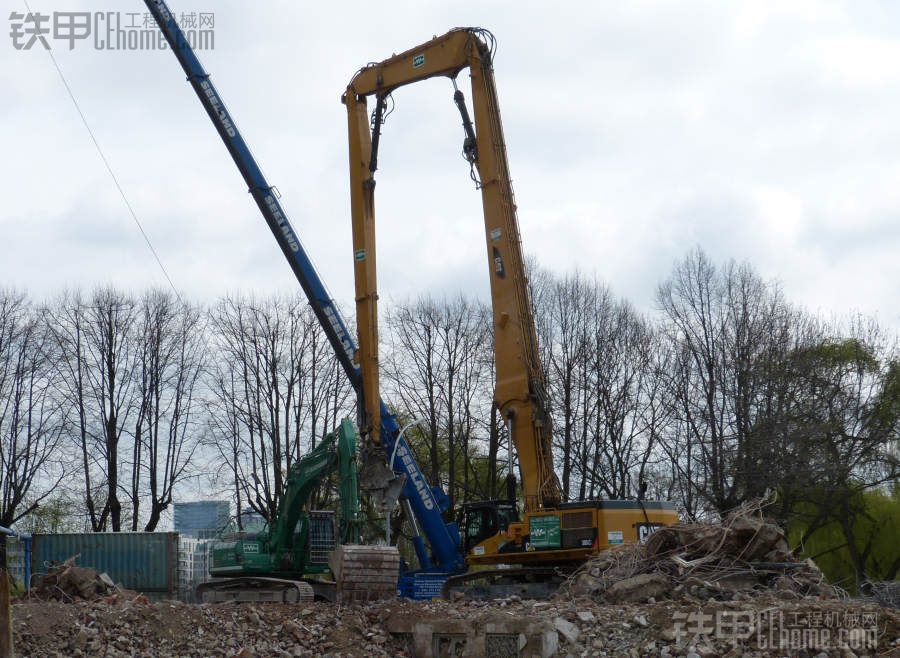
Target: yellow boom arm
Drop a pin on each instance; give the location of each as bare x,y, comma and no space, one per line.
520,388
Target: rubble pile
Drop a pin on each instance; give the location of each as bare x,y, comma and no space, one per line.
67,582
509,627
691,591
665,629
171,628
743,557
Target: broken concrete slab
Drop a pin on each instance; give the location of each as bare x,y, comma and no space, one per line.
638,588
567,629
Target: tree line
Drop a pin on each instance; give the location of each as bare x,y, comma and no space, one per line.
110,401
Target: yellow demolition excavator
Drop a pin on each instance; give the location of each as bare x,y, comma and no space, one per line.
531,553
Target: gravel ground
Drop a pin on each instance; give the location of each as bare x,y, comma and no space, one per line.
687,628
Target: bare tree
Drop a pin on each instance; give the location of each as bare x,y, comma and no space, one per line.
761,396
32,463
726,327
171,359
565,304
463,329
225,436
413,369
97,362
439,369
600,357
623,399
276,386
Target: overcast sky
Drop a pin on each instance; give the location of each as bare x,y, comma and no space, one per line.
761,131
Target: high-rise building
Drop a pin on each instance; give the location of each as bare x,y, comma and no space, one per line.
252,521
203,519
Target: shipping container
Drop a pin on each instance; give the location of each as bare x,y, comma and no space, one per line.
146,562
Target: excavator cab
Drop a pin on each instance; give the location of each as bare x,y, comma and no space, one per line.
485,519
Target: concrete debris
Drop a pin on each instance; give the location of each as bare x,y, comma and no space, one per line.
567,629
435,628
67,583
661,599
365,573
742,557
638,588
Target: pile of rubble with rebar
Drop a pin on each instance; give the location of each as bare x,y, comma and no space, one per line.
744,555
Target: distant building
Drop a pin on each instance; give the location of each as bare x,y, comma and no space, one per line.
193,566
203,519
252,521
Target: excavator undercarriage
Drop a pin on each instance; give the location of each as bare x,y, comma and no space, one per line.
361,573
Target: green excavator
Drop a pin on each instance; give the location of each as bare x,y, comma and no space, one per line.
297,557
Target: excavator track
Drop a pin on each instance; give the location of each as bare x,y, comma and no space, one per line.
365,573
255,589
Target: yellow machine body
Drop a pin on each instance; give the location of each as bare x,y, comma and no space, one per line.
572,533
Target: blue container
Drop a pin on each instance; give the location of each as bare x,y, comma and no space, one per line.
142,561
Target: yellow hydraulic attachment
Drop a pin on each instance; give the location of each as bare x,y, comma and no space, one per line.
552,532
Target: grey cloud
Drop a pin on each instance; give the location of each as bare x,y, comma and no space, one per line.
635,131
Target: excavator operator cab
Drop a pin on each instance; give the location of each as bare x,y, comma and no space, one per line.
485,519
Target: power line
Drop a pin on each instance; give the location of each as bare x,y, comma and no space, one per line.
110,169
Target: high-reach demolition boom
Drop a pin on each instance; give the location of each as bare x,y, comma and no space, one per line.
554,535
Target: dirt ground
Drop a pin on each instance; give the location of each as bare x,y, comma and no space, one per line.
583,627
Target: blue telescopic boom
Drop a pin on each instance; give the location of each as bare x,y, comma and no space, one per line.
427,503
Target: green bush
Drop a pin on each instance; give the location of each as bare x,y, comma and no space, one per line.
874,525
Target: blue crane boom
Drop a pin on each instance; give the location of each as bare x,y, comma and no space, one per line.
427,502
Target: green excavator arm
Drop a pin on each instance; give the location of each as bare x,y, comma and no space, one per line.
348,476
284,548
336,452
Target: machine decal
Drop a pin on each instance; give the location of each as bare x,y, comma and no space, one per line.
615,537
416,476
499,270
282,223
647,529
545,531
163,10
342,336
219,108
418,61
